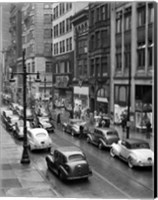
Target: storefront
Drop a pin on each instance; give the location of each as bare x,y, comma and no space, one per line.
81,97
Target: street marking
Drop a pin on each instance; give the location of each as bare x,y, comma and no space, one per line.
106,180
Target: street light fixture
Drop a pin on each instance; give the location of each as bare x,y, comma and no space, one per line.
25,156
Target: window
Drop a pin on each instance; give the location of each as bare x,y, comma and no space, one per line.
141,17
118,58
47,33
55,48
68,25
98,67
68,6
103,13
62,67
141,54
127,56
150,53
151,13
92,17
118,22
48,48
98,14
67,67
104,38
57,68
127,23
33,66
56,12
47,18
60,32
48,67
98,40
80,64
92,42
92,68
56,30
62,8
104,65
71,43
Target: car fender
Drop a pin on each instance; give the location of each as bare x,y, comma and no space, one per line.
63,170
133,156
103,142
116,148
89,135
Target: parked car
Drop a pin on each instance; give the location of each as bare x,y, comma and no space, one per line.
19,128
9,119
73,126
69,163
103,137
46,124
38,138
135,152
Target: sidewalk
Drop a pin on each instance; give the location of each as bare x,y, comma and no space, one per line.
16,179
135,134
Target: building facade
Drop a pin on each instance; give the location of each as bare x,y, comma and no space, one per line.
37,41
80,80
99,56
63,52
132,61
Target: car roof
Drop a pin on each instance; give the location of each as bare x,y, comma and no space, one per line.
37,130
105,129
69,150
75,120
135,140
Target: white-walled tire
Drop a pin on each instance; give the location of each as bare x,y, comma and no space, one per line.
112,153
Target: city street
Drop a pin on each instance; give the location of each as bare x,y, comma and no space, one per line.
111,178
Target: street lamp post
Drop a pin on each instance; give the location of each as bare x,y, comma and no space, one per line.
25,156
129,102
45,80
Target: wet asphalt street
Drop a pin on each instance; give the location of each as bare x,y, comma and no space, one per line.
111,178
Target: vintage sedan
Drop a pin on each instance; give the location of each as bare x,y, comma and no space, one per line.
19,128
38,138
46,124
69,163
135,152
73,126
103,137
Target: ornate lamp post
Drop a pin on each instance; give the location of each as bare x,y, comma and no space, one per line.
25,156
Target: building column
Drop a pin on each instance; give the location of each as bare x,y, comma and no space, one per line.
146,39
133,54
112,57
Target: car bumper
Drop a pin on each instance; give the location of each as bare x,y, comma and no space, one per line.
79,177
44,146
144,164
50,129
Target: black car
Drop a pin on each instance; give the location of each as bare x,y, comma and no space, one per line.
69,163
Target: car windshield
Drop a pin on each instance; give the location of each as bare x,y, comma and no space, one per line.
110,133
41,135
140,146
76,157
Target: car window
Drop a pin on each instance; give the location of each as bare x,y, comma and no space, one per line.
112,133
76,157
140,146
41,134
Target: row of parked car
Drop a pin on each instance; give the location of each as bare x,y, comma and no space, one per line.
67,162
136,152
70,162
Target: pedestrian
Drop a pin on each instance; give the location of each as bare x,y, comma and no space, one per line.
81,132
148,129
123,123
58,120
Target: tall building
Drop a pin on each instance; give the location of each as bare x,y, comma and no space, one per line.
63,52
80,22
37,41
99,56
132,60
4,42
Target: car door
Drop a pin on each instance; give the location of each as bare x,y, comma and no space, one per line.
124,149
